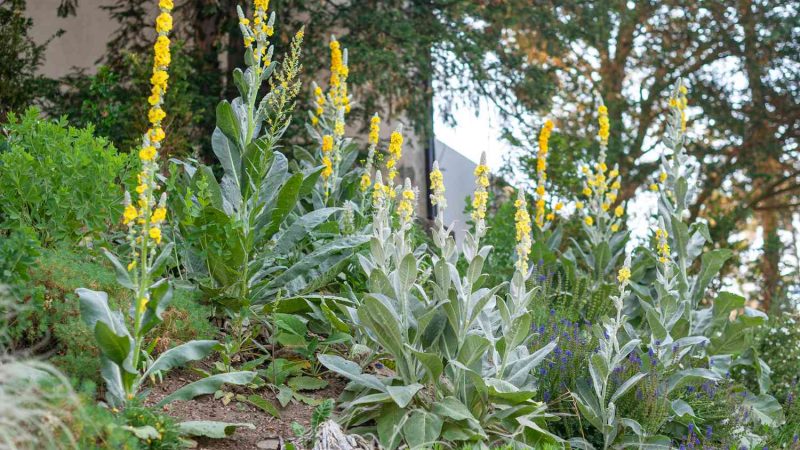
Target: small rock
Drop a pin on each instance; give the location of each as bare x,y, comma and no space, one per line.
269,444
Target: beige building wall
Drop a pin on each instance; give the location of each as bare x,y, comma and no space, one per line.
84,39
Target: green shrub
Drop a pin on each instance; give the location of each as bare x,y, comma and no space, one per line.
51,321
61,181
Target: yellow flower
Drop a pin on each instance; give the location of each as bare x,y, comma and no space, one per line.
604,125
131,265
587,191
605,206
662,177
522,222
365,181
155,234
166,4
156,115
164,23
338,128
624,275
159,79
437,185
616,185
328,170
619,210
395,152
654,187
161,47
130,213
142,305
327,143
159,215
613,173
541,171
579,205
141,188
261,4
405,208
148,153
589,221
615,227
374,129
559,206
550,216
157,134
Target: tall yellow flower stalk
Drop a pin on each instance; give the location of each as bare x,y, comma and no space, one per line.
395,153
480,197
405,207
541,172
522,220
144,217
601,189
339,73
374,135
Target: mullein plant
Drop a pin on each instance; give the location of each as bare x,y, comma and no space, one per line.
337,154
253,232
601,215
595,399
451,375
546,232
690,342
127,362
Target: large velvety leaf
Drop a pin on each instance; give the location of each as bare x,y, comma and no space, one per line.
180,355
228,123
422,429
351,371
208,385
286,201
402,395
114,347
211,429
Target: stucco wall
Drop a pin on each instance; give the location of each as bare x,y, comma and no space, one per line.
84,39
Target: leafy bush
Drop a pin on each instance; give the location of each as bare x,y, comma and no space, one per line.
50,318
60,181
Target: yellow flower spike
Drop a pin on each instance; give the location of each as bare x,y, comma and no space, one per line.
662,245
437,186
624,275
374,129
604,125
366,180
395,152
405,208
522,221
327,143
328,170
481,195
541,171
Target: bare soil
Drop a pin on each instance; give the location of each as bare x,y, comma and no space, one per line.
267,427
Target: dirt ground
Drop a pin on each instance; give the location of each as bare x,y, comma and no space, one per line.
267,427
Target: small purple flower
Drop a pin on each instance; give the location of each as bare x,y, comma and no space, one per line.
552,312
708,432
546,396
